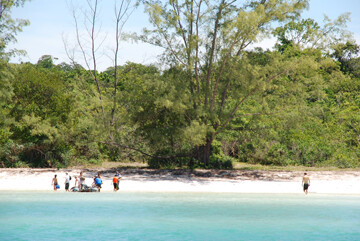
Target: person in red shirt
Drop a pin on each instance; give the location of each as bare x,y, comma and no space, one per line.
116,182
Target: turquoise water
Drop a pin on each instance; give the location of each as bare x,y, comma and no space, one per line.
177,216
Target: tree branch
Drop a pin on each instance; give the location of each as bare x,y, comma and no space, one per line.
212,50
220,74
169,45
242,101
197,52
120,17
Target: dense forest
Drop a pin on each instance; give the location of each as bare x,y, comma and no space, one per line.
210,101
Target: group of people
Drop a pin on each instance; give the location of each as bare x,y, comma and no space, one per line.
80,182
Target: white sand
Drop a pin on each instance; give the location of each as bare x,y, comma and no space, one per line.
321,182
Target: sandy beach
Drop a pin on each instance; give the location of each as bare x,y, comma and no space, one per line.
145,180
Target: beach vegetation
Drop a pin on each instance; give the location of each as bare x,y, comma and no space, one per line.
210,101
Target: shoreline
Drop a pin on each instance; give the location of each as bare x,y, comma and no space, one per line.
200,181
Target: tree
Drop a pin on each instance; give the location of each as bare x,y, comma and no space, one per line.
6,92
9,27
207,40
307,33
89,46
348,54
41,110
46,61
8,30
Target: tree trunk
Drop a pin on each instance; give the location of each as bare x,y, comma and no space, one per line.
207,151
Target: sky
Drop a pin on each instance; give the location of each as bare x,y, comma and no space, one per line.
52,24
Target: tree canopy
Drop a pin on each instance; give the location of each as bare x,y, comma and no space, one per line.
214,100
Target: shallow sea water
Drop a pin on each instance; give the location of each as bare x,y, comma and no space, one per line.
177,216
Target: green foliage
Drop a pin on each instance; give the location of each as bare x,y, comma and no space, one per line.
220,162
307,33
9,27
348,54
212,103
54,122
6,92
46,61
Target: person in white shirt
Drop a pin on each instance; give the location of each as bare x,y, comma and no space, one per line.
67,182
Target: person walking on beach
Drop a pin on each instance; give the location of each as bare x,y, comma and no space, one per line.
67,182
54,182
116,182
306,183
98,181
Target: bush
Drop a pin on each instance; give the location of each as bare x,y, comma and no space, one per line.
343,160
216,148
220,162
246,152
95,161
9,154
277,155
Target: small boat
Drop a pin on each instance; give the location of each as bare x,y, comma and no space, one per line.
85,188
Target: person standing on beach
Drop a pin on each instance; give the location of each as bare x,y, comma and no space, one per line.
54,182
67,182
306,183
81,181
98,181
116,182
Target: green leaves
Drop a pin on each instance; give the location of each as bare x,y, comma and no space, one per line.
212,102
39,127
195,134
39,91
307,33
9,27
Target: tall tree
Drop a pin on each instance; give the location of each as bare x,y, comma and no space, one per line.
207,39
90,44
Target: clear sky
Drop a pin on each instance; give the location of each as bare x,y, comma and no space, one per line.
51,21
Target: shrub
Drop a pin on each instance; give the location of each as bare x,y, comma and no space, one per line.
277,155
246,152
343,160
220,162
